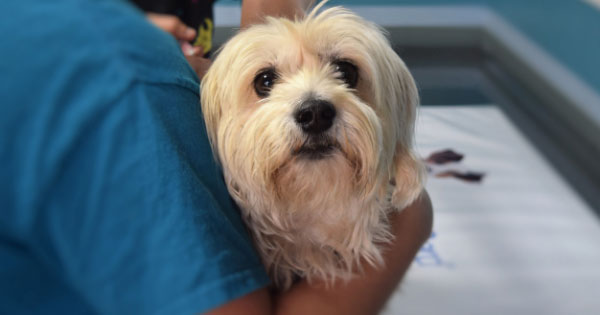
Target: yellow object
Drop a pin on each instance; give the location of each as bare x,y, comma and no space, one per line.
204,38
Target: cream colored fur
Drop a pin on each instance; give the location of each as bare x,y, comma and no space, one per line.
317,219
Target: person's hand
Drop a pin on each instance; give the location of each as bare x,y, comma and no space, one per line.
184,34
172,25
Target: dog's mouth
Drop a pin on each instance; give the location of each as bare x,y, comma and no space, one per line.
316,148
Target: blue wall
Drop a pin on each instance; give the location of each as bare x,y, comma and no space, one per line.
567,29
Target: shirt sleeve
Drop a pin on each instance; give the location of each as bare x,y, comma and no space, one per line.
138,219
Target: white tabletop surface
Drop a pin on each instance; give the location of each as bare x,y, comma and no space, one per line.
519,242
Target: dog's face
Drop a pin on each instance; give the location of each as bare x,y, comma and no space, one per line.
312,117
303,101
313,123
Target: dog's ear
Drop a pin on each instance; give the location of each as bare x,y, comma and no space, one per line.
409,178
407,172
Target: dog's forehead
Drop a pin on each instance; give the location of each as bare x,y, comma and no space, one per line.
286,44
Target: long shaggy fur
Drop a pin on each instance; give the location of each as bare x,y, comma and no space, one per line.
314,218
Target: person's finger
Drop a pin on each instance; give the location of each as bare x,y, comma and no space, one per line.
183,32
173,25
187,48
190,50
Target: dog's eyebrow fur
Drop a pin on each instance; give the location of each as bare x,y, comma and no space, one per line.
329,56
263,69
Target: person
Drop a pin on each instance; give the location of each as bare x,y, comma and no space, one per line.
112,202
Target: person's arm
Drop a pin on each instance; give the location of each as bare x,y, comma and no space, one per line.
254,11
365,294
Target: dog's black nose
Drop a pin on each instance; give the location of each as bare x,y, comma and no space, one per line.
315,116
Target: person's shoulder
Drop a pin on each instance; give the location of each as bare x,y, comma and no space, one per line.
66,64
109,37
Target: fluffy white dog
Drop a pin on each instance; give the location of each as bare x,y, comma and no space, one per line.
313,122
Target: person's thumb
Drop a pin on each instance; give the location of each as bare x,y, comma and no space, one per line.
183,32
173,25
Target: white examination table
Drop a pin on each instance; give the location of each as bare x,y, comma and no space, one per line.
519,242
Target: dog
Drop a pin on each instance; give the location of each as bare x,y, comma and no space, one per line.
313,123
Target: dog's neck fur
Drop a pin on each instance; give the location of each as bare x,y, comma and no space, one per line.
330,233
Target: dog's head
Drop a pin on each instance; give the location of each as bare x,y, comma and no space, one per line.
318,108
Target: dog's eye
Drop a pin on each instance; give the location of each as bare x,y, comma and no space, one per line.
347,72
264,81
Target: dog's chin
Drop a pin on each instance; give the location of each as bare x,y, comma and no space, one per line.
316,149
315,152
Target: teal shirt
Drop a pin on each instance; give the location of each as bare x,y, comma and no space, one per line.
111,201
